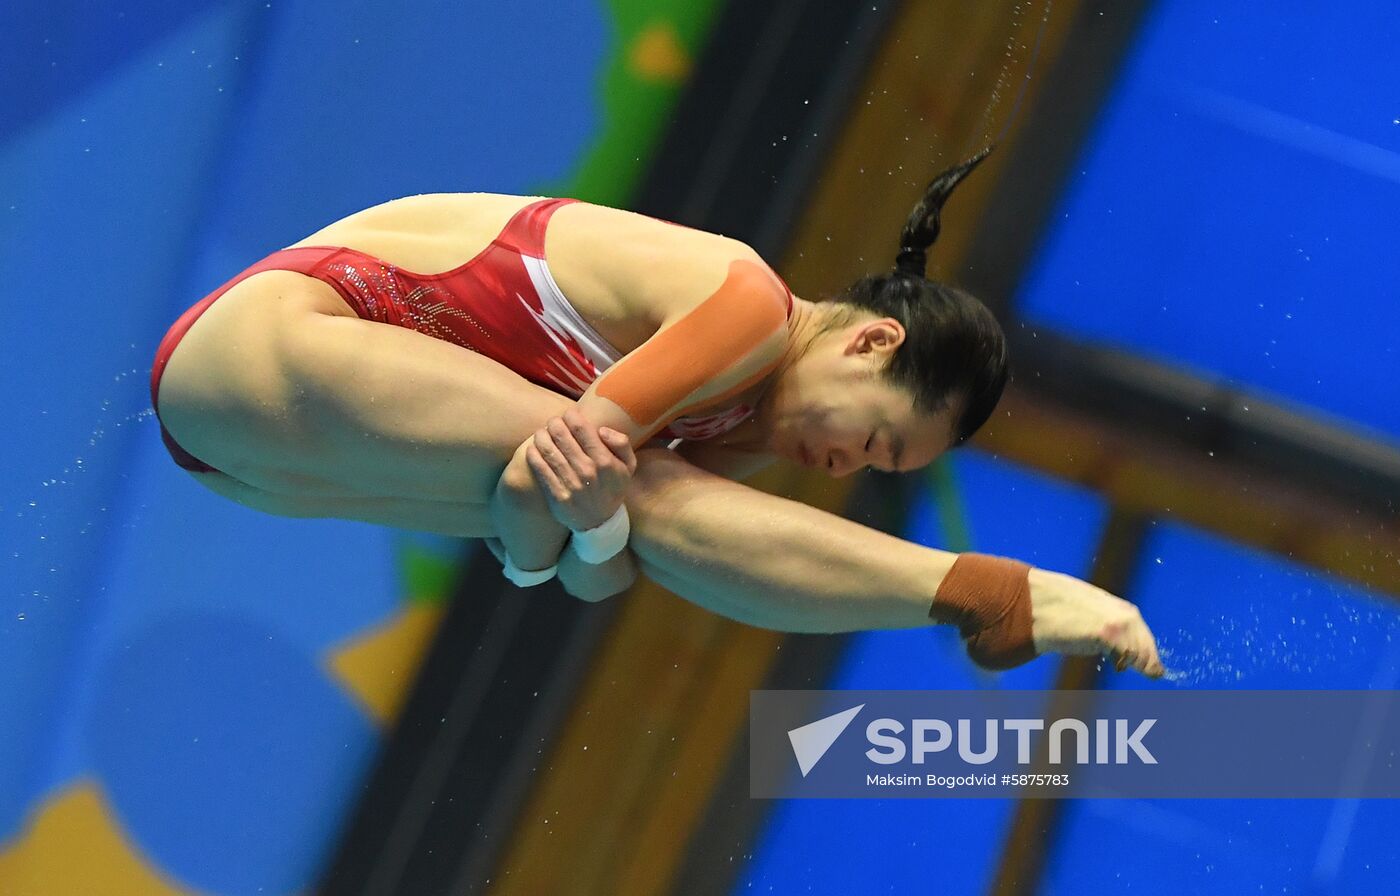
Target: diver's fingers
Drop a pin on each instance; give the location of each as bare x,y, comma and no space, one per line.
575,455
1138,650
585,434
621,446
1151,660
544,473
546,447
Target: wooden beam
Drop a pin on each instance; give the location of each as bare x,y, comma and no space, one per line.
1142,474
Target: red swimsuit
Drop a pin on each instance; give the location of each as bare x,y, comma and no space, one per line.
503,303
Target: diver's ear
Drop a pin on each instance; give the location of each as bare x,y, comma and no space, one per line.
881,336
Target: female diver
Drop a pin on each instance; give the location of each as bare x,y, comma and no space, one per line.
527,395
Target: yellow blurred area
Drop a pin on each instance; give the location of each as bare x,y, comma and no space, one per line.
74,845
657,54
379,667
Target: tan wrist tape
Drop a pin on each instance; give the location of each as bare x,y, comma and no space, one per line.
989,599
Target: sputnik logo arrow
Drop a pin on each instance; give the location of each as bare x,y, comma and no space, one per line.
811,741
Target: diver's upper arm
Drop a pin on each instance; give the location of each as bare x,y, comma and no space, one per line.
720,345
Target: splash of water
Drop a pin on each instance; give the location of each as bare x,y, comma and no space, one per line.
1002,86
46,541
1281,642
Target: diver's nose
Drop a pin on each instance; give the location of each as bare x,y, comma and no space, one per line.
838,464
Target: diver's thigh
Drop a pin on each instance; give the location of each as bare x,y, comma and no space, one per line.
224,395
398,413
284,388
440,517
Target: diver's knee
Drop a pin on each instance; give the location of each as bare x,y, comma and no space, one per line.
660,473
660,467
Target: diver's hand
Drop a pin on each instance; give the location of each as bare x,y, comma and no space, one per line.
583,470
1072,616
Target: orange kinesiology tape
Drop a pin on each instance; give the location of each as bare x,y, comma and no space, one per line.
989,599
695,351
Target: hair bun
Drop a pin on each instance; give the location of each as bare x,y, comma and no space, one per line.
912,260
921,229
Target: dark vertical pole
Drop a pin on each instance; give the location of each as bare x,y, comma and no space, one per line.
1035,823
499,674
732,820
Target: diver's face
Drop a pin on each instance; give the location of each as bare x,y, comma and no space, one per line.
837,412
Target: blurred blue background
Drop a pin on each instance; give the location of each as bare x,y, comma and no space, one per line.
1238,207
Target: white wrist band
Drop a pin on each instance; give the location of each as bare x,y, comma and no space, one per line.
603,542
526,578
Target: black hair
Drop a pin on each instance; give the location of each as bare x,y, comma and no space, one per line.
954,347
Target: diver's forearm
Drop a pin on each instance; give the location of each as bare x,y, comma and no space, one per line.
779,564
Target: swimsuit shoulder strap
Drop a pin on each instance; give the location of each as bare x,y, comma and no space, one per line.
524,233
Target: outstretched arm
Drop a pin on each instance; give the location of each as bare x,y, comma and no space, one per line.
779,564
774,562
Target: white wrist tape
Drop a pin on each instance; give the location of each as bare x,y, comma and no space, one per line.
603,542
526,578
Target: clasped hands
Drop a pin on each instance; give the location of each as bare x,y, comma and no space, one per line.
583,470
